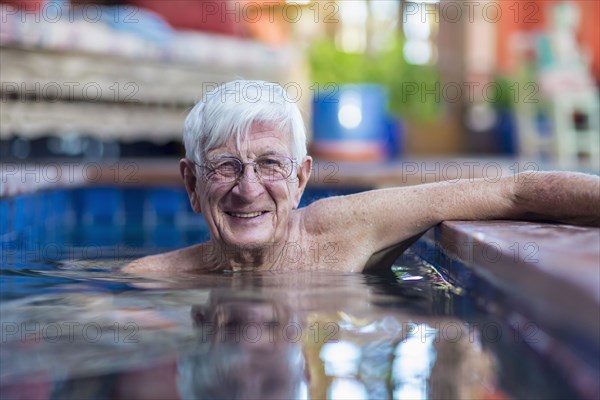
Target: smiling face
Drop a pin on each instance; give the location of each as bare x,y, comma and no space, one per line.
250,211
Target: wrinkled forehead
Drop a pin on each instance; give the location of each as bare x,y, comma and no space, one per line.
259,135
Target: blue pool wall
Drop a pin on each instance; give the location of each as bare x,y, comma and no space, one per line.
108,216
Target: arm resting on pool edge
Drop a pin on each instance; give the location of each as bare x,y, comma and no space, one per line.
381,220
567,197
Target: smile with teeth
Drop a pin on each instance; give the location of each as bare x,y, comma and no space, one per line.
246,215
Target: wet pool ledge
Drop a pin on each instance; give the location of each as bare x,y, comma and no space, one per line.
554,268
546,275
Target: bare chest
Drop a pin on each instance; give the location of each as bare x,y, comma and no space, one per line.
313,254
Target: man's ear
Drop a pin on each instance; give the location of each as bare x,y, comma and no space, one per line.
303,175
187,171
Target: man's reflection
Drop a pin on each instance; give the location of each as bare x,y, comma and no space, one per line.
240,350
243,351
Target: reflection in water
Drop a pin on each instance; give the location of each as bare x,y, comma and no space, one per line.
413,359
242,351
342,361
248,335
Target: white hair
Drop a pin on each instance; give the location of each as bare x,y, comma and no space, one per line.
231,108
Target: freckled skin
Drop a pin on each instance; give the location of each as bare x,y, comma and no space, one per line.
350,233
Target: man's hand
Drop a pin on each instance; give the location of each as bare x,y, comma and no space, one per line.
567,197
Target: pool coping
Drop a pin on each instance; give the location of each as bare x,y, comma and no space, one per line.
528,260
557,291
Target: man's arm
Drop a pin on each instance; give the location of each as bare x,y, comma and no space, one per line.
382,218
568,197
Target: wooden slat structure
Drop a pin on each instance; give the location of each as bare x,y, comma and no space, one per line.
52,92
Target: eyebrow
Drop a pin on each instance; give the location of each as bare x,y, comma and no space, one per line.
272,153
266,153
220,156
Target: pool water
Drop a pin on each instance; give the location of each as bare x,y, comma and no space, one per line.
74,326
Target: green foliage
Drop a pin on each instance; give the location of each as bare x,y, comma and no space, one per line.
502,91
388,68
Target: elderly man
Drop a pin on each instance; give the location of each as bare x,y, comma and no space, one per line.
246,168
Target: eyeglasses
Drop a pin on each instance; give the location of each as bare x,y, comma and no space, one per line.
230,169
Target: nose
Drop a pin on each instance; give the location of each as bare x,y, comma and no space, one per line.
249,185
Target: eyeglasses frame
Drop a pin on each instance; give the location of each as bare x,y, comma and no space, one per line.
243,165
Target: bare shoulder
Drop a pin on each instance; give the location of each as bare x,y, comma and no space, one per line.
339,220
329,214
172,261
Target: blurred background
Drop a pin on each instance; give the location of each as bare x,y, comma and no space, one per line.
377,81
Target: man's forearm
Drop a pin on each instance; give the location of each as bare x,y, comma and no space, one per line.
387,217
568,197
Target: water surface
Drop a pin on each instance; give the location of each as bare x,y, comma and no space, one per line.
77,328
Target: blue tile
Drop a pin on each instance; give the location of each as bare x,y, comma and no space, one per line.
101,205
166,201
133,203
5,217
22,212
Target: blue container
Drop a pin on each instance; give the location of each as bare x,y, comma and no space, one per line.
350,122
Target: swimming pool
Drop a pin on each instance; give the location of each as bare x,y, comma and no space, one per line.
74,326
